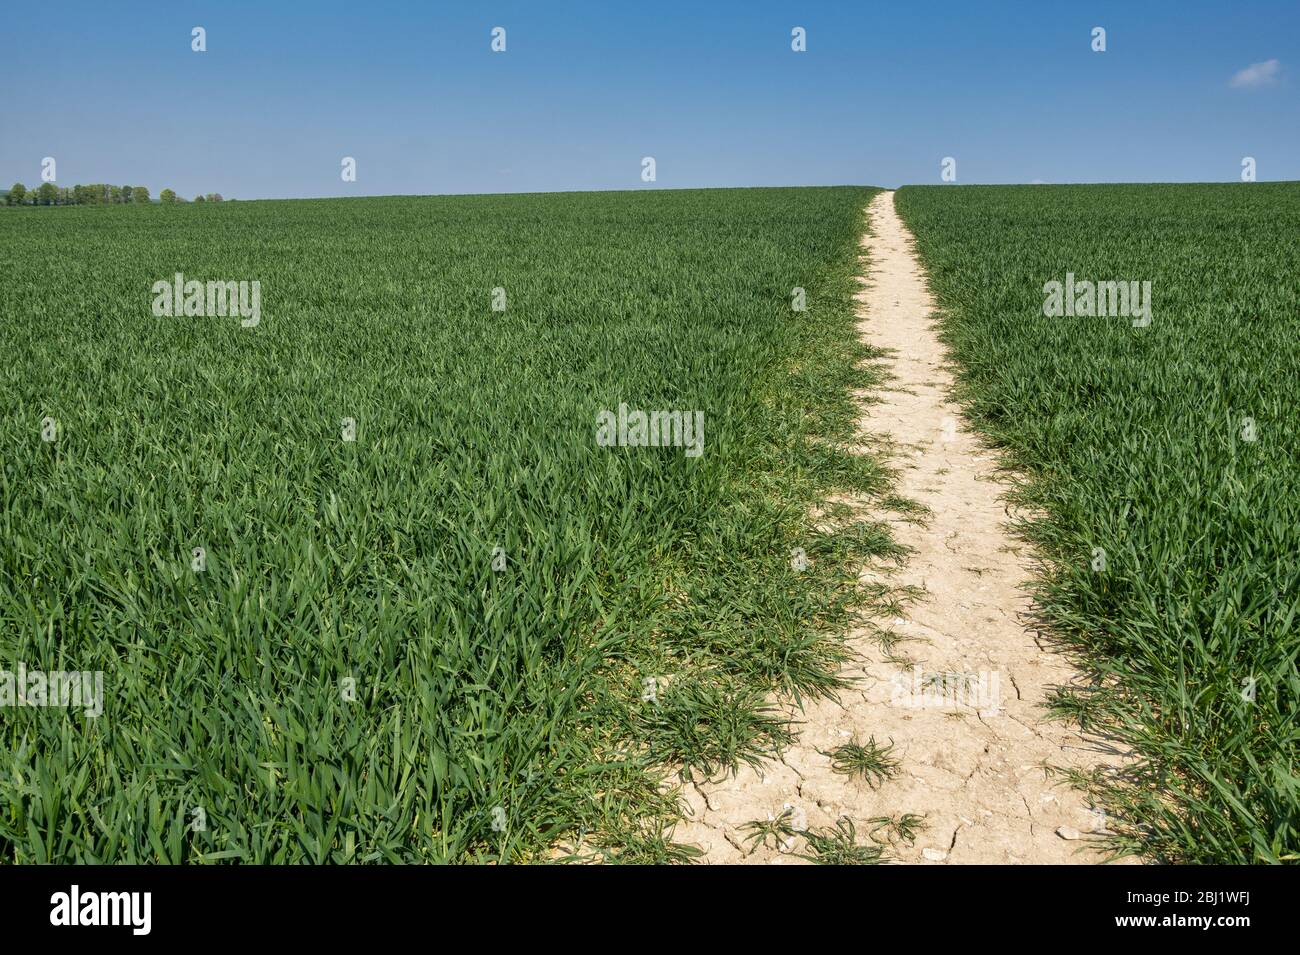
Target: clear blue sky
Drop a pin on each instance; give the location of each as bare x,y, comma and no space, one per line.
413,92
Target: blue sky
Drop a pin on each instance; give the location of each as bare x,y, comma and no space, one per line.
1013,91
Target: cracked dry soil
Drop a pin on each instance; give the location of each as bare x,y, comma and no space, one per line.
970,760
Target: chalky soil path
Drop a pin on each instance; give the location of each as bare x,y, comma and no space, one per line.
961,696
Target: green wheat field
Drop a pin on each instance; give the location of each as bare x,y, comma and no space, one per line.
365,587
1171,452
490,586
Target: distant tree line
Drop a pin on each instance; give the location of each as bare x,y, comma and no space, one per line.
96,194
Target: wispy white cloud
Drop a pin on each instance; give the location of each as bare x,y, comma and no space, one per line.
1256,75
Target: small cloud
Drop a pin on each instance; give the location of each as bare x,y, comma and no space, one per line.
1256,75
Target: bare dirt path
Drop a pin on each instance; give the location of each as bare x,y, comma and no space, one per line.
960,697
